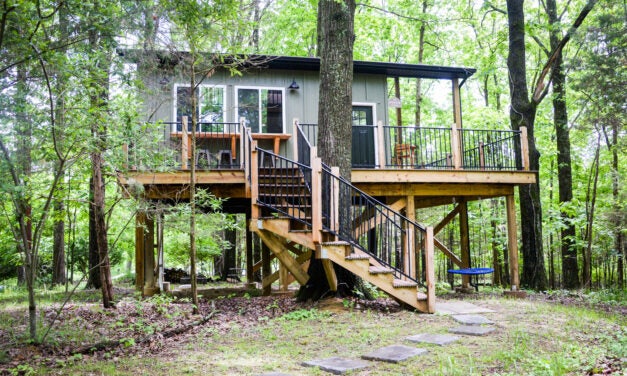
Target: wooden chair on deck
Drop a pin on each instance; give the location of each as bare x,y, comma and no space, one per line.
404,155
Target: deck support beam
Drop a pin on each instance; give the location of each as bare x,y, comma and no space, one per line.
464,241
277,246
140,221
512,242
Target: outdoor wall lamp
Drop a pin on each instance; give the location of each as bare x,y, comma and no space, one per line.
293,85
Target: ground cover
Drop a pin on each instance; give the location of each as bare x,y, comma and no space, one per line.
546,334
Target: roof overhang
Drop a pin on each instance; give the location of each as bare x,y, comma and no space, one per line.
294,63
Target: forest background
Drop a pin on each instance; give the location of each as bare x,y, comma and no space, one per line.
69,101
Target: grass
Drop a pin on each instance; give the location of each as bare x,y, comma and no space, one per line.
532,337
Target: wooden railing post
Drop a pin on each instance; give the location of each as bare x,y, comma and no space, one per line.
524,148
481,156
430,270
254,180
184,143
295,136
381,144
316,200
125,158
456,149
335,200
410,213
242,140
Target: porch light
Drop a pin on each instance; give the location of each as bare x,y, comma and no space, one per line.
293,85
164,81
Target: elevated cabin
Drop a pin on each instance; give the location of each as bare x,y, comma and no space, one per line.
256,144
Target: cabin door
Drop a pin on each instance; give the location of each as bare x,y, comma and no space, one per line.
363,151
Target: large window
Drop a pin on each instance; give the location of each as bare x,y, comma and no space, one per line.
262,109
210,105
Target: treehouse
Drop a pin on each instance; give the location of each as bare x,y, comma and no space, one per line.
255,143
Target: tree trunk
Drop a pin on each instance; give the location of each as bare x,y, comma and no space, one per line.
98,98
229,253
335,48
93,281
522,113
58,247
570,267
421,51
591,196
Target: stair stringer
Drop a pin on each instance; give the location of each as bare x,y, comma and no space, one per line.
361,267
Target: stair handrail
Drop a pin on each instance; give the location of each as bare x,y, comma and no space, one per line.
397,236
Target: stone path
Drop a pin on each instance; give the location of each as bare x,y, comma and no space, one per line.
462,312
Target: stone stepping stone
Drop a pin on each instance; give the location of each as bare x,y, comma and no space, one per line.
472,330
435,339
472,320
337,365
394,353
274,374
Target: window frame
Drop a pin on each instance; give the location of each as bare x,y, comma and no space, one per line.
175,103
259,89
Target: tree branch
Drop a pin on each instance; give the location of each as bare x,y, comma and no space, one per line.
539,93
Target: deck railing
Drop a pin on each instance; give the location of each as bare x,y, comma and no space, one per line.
367,224
167,146
440,148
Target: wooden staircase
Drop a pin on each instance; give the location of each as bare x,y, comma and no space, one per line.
287,210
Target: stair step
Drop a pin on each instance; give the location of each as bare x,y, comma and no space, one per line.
356,256
399,283
421,296
380,270
335,243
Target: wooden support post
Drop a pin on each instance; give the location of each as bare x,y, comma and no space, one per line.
160,255
316,200
249,252
335,200
430,270
283,274
265,268
512,242
277,246
295,136
125,158
524,148
184,144
242,141
457,103
254,181
149,257
481,156
456,147
330,273
410,212
464,241
140,221
449,217
381,150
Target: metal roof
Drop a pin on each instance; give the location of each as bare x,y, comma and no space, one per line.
295,63
371,67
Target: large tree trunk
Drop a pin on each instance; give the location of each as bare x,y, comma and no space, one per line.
570,268
522,113
335,48
58,246
93,280
98,98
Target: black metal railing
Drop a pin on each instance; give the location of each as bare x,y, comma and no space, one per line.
369,225
159,146
418,147
284,187
490,149
310,131
303,145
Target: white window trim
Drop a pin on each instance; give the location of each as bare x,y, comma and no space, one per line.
374,120
236,101
175,101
